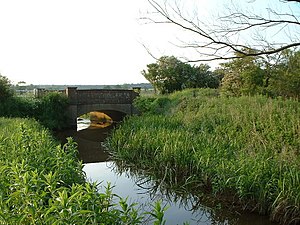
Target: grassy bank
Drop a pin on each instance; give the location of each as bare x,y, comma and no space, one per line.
247,146
43,183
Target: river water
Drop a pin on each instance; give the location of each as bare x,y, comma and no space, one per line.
140,189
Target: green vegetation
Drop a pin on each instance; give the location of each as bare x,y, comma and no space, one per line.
5,88
50,110
273,75
277,75
245,148
169,74
43,183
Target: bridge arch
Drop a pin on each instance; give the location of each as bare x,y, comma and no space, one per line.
115,114
83,109
102,100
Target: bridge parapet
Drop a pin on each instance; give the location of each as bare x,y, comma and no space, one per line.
100,96
84,101
105,96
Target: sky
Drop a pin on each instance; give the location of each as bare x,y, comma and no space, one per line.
84,41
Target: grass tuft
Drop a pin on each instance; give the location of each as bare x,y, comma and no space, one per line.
248,146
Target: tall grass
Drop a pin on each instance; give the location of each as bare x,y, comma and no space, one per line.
43,183
247,146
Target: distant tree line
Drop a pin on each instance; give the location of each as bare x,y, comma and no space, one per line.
22,86
272,75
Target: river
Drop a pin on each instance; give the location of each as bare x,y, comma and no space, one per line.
140,189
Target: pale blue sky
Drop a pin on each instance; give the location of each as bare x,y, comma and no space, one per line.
87,41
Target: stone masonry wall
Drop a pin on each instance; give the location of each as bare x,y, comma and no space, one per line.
105,96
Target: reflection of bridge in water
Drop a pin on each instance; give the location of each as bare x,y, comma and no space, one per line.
113,102
116,103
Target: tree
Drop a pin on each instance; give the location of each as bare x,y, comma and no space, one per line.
243,76
202,77
286,75
5,88
223,38
169,74
254,75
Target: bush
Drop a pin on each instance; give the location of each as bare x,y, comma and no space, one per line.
143,104
43,183
18,107
5,88
51,111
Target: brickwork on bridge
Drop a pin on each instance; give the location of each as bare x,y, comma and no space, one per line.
84,101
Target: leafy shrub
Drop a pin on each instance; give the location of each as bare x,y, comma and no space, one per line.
5,88
52,110
143,104
18,107
43,183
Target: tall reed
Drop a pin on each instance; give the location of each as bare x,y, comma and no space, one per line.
246,146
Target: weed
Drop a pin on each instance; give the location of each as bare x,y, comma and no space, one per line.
247,145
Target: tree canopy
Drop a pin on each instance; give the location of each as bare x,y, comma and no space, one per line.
254,75
5,88
169,74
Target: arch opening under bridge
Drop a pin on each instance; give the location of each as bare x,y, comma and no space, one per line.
116,103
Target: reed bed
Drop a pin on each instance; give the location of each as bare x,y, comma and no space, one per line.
43,183
248,147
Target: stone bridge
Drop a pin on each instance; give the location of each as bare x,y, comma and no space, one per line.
108,101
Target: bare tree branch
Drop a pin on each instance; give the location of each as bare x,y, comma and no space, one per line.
219,42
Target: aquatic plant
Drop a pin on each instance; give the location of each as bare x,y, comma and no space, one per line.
245,146
42,182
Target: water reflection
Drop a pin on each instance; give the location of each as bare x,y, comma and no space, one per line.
94,120
83,123
127,186
138,187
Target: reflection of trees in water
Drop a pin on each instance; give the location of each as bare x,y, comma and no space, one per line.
102,119
202,205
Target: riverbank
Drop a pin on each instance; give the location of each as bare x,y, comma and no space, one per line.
245,148
43,182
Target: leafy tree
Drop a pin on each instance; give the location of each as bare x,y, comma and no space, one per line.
166,75
169,74
276,76
206,78
286,75
243,76
5,88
